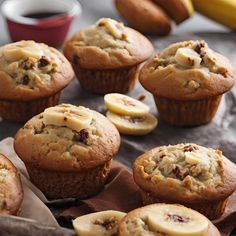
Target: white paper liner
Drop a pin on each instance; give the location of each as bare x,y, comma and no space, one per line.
33,206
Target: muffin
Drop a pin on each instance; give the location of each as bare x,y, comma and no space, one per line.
166,220
106,56
197,177
147,17
178,10
32,76
103,223
187,81
11,191
67,150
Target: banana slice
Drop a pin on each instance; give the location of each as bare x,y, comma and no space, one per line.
176,220
76,118
187,57
17,51
104,223
125,105
133,125
197,159
113,27
192,159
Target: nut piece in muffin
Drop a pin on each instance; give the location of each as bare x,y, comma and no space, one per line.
32,76
103,223
187,81
189,174
11,191
106,56
145,16
166,220
67,150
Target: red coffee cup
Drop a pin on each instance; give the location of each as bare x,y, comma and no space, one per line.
50,30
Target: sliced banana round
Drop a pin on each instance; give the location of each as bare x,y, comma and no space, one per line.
125,105
140,125
176,220
104,223
187,57
16,51
76,118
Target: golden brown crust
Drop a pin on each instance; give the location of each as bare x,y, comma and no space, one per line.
113,54
146,16
174,82
141,213
59,79
53,147
11,191
176,9
168,189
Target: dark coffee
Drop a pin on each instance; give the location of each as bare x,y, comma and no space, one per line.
42,15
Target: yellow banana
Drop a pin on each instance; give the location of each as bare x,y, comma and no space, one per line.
222,11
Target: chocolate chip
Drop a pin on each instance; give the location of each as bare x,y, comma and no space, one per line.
76,59
25,80
177,172
190,148
108,224
177,218
81,136
43,61
26,64
65,119
198,48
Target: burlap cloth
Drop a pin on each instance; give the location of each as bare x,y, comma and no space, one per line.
120,192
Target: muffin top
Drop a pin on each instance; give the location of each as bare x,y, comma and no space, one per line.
187,172
11,192
107,45
67,138
30,70
166,220
188,70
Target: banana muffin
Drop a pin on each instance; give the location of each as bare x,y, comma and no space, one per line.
187,81
106,56
166,220
197,177
67,150
32,76
11,191
103,223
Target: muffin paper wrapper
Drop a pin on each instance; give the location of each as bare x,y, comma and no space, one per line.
187,113
68,185
210,210
21,111
107,81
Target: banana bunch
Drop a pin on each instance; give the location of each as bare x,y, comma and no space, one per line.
129,115
103,223
73,117
222,11
177,220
